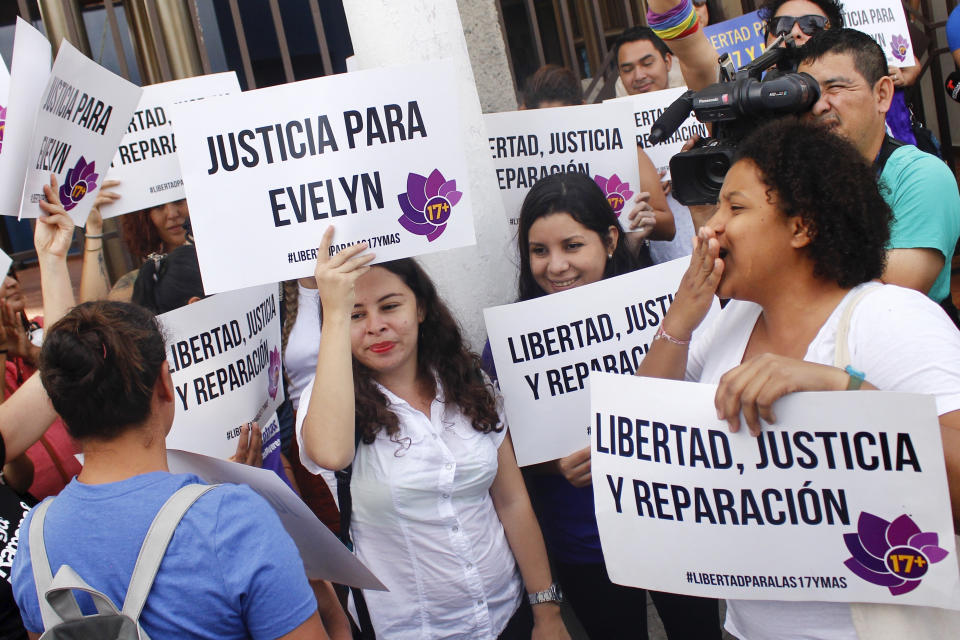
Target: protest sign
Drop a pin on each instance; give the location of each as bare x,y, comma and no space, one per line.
224,357
146,161
647,107
324,556
741,37
844,499
594,140
379,154
84,111
4,94
5,262
546,349
29,72
885,22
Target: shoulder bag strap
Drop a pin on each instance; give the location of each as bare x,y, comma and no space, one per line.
155,546
841,351
42,576
886,150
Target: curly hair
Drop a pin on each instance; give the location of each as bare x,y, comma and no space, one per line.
831,8
99,364
822,178
140,235
441,352
579,196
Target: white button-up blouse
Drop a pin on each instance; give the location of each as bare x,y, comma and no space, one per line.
424,523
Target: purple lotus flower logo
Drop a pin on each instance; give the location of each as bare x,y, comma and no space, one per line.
80,180
894,554
427,204
899,47
618,192
3,123
273,373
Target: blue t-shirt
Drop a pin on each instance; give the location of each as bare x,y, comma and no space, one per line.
922,193
953,29
230,571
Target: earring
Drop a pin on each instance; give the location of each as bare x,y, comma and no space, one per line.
610,256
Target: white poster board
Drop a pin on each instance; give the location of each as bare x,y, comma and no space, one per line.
378,153
844,499
885,22
547,348
146,161
29,72
224,357
5,262
84,111
324,556
593,139
646,108
4,97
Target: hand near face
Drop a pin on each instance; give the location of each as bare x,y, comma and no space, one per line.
337,275
15,339
755,385
697,288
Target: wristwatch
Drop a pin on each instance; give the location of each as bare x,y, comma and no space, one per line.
552,594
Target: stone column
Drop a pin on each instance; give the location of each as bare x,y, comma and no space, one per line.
386,32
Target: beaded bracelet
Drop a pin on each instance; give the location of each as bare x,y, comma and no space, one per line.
663,335
678,22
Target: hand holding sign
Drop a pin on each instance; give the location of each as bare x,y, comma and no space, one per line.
642,219
755,385
54,231
336,275
249,446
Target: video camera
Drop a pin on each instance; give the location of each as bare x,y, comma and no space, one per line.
735,106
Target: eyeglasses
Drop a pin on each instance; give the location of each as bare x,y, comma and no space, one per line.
783,25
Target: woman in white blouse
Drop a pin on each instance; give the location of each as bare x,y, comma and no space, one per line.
440,512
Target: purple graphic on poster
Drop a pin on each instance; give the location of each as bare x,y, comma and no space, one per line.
899,46
3,124
81,180
618,193
427,204
273,373
894,554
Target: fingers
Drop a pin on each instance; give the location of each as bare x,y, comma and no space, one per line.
243,445
249,446
576,468
323,251
51,192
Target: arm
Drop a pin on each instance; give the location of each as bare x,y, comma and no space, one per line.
697,57
18,473
331,613
52,239
328,428
513,507
651,217
94,280
311,629
913,268
122,290
950,430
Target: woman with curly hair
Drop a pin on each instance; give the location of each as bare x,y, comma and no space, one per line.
797,241
439,510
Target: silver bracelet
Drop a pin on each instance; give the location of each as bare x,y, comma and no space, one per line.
663,335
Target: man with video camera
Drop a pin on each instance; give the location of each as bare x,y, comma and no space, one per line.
855,94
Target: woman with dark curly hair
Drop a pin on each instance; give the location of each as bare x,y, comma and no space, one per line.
797,241
439,510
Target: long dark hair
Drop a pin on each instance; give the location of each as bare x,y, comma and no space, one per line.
441,351
579,196
169,282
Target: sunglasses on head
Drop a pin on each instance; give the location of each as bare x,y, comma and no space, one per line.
783,25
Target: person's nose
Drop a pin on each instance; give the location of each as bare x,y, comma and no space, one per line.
558,264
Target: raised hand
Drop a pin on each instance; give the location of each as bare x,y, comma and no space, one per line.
54,232
336,275
697,288
642,218
249,446
94,224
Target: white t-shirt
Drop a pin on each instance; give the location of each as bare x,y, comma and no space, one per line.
303,343
902,342
424,523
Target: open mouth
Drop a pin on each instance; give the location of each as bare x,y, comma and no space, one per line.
722,254
564,284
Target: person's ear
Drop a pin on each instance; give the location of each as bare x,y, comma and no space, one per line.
164,387
800,232
194,299
668,59
883,94
610,241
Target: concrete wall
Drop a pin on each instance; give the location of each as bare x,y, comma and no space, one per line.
387,32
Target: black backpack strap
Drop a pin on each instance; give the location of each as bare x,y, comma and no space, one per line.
345,501
886,150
